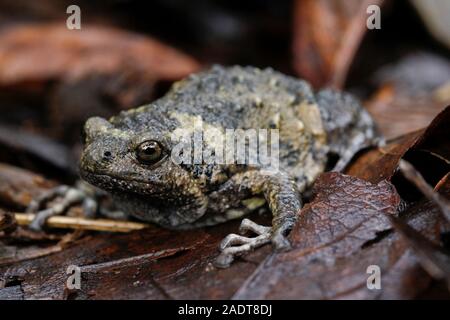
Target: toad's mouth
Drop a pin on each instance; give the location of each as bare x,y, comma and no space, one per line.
113,183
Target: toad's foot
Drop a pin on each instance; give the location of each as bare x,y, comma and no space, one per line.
70,196
236,245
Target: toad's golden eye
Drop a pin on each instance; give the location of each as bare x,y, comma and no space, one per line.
149,152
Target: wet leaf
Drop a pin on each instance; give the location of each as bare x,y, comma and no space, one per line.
152,263
345,215
381,163
25,52
406,102
19,186
39,152
326,37
335,266
77,74
433,259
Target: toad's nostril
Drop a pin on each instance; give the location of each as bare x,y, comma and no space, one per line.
107,155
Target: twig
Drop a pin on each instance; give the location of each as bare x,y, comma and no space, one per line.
416,178
25,219
435,260
132,261
27,254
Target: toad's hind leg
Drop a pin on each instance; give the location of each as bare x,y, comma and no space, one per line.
284,201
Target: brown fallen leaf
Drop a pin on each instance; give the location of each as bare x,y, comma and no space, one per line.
416,178
49,51
434,259
19,186
435,138
398,114
184,272
33,150
381,164
405,102
151,264
11,293
81,73
334,264
344,216
15,255
326,37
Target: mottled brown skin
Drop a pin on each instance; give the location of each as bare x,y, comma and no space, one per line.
180,196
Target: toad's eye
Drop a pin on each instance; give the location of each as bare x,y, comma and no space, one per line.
149,152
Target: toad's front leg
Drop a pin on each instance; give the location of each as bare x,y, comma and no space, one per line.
284,201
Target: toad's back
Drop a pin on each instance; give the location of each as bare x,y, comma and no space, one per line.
250,98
